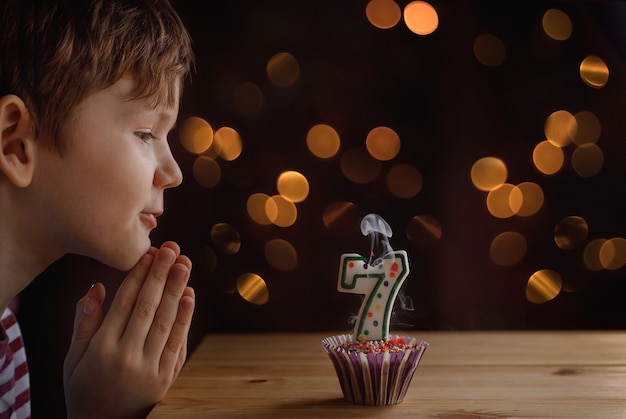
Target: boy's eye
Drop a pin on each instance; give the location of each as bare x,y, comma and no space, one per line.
145,136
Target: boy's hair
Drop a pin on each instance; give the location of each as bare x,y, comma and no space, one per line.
53,53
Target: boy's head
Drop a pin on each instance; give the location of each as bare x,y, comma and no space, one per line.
54,53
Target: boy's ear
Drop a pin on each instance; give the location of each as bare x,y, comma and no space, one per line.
17,139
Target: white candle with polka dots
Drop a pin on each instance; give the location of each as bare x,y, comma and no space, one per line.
378,278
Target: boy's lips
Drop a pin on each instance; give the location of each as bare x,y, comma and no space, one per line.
150,218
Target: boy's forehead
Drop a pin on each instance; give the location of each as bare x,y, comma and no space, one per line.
125,88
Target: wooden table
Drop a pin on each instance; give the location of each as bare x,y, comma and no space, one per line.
550,374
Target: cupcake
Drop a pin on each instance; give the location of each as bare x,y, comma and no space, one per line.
373,367
374,372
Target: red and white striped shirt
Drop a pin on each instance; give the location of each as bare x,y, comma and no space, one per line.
14,381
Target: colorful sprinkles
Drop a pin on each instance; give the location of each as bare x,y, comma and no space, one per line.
378,346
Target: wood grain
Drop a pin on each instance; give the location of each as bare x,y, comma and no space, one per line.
551,374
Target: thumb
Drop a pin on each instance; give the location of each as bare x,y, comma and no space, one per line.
87,320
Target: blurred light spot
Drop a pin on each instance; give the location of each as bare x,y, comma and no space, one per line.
195,134
323,141
421,18
589,128
532,198
613,253
560,128
283,69
208,263
281,211
206,171
252,288
488,173
543,286
499,200
591,255
293,186
587,160
359,166
225,238
383,143
548,158
594,71
404,181
489,50
383,14
281,254
557,25
423,231
229,143
516,199
248,99
256,208
508,248
571,232
341,218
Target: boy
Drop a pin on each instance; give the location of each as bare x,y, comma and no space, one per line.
89,90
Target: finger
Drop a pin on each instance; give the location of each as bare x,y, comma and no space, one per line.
175,350
123,303
166,314
87,320
149,297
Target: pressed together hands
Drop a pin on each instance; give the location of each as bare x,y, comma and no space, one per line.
122,363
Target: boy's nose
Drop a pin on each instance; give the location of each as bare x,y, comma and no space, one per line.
168,175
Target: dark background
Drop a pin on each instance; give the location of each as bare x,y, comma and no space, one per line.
448,109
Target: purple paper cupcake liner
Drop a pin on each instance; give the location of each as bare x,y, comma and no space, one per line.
380,378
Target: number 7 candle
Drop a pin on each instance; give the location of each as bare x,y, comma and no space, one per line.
378,278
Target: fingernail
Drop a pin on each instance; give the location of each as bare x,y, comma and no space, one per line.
167,255
89,307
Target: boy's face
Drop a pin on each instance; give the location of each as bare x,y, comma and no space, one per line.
102,196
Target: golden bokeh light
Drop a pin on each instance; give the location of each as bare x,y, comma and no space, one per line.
589,128
508,248
229,143
571,232
594,71
421,17
283,69
359,166
383,14
252,288
557,24
225,238
504,201
281,211
281,254
591,255
424,231
488,173
532,199
612,253
543,286
206,171
560,128
341,218
383,143
587,160
195,135
256,208
323,141
248,98
293,186
489,50
404,181
548,158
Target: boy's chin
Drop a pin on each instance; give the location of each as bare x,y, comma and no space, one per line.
127,260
